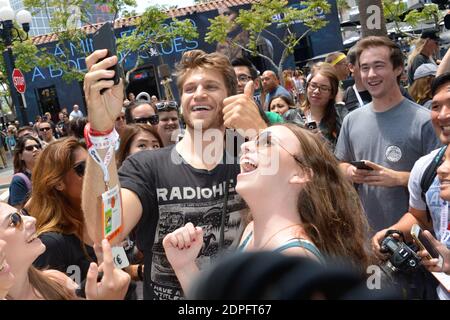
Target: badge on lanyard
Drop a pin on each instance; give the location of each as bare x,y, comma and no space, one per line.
111,213
120,258
444,224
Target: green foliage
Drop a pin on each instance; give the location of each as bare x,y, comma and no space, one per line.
153,29
396,11
342,5
430,12
393,9
260,17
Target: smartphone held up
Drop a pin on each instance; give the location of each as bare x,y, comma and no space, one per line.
104,38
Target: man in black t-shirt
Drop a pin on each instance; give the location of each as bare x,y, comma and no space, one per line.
164,189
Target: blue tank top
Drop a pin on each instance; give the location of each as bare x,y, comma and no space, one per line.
291,243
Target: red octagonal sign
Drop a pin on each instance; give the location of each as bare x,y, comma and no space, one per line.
19,81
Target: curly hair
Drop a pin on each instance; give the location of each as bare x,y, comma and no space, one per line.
329,207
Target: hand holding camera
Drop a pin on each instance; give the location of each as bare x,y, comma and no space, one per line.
401,256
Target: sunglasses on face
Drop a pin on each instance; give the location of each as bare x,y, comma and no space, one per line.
166,105
44,129
79,168
154,120
16,220
32,147
120,118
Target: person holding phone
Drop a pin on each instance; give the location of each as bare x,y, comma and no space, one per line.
433,264
425,203
164,189
383,134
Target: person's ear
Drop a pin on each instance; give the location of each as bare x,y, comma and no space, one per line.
398,71
302,177
60,186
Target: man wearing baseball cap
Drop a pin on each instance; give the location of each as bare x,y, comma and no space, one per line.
426,47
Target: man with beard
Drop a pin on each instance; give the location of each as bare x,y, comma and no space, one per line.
163,190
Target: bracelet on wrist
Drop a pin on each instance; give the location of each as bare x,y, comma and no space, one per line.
100,142
97,133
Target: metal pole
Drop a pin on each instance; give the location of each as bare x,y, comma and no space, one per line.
20,110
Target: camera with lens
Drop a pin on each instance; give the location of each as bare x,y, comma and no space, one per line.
311,125
401,256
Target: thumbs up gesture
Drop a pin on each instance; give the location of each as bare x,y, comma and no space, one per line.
240,112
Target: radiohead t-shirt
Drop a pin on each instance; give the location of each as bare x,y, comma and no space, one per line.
173,193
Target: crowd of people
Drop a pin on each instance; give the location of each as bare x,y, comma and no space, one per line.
311,170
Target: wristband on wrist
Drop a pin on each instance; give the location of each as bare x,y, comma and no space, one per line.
100,141
96,133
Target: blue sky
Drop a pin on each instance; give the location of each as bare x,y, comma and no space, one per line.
142,4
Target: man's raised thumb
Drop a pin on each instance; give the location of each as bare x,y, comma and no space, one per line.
249,89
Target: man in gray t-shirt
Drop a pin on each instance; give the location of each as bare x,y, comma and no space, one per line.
390,134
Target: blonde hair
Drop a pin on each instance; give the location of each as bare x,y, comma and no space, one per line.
420,90
418,44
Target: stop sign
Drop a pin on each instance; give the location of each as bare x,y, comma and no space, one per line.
19,80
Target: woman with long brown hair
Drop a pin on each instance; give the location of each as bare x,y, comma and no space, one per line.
313,211
319,106
56,205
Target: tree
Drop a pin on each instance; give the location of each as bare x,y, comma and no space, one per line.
257,20
342,5
397,12
153,31
372,18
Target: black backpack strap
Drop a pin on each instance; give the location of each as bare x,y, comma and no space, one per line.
429,175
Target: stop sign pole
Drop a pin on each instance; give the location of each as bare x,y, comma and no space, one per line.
20,85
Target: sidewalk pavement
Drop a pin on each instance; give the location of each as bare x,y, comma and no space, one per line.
6,173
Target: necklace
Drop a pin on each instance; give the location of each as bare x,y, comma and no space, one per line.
276,233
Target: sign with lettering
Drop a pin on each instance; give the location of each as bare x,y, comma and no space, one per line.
19,81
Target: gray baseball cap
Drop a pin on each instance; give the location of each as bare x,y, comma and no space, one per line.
425,70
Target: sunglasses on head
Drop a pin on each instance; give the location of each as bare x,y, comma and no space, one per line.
173,105
32,147
152,120
44,129
79,168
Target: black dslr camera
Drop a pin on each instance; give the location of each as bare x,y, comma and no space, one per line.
401,256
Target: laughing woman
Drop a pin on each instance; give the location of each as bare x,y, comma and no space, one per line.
18,233
312,212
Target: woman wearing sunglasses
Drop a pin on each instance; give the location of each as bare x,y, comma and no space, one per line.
319,106
313,211
27,150
56,205
22,247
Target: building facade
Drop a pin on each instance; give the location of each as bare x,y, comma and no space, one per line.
46,91
40,19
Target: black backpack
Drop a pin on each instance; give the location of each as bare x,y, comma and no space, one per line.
429,175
